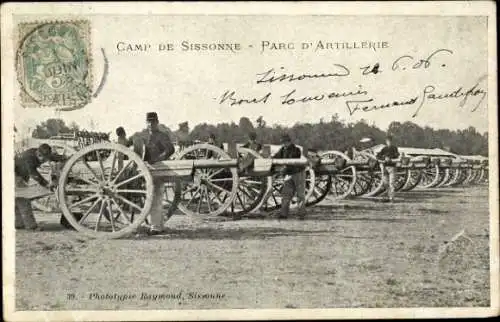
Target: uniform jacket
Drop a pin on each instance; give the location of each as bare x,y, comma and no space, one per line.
388,152
289,152
27,163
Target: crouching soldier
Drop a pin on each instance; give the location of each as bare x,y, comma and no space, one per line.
26,166
294,182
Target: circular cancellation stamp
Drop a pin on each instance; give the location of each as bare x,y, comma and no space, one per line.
54,64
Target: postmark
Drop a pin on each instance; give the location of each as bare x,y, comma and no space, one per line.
54,64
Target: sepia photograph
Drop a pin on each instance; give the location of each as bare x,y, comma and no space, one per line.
196,161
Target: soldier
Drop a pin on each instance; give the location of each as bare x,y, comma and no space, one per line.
212,139
157,147
26,166
252,142
294,182
122,137
387,154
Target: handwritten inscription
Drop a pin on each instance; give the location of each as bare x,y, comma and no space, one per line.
360,99
272,76
407,61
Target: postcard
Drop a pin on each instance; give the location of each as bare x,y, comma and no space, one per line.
217,161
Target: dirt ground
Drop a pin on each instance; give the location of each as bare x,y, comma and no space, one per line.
356,253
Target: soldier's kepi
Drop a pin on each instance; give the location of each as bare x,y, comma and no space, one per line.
157,147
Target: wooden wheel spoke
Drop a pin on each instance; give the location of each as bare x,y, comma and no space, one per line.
200,200
120,210
87,213
216,196
111,217
113,161
90,169
128,202
81,190
221,179
100,216
215,173
218,188
193,196
103,176
189,190
131,191
83,201
244,190
121,183
238,196
121,171
208,200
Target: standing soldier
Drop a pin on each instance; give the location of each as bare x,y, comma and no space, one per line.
294,182
26,166
386,155
157,147
122,139
213,141
252,142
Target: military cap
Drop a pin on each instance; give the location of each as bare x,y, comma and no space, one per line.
285,137
151,116
45,149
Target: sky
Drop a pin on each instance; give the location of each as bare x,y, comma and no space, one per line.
189,85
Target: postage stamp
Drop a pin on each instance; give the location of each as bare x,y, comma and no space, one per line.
54,64
192,161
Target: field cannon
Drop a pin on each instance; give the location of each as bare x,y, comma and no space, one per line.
106,189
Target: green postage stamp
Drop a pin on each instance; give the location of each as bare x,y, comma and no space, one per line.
54,64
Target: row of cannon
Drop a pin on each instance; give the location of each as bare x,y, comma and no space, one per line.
111,195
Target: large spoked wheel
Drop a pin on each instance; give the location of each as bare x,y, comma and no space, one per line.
377,177
109,197
414,177
430,176
251,190
212,191
344,181
273,197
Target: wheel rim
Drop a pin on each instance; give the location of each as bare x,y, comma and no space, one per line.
402,176
251,190
101,198
430,176
273,198
454,175
322,186
212,191
414,177
344,181
377,180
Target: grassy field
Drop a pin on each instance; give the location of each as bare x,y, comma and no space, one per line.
356,253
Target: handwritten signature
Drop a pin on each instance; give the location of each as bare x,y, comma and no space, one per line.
359,100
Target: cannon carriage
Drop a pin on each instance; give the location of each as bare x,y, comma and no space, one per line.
106,189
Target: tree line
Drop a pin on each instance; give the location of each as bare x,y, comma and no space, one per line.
332,134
